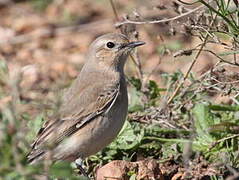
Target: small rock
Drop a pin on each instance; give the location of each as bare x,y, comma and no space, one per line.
146,169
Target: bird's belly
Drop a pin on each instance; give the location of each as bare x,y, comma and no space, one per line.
104,133
100,132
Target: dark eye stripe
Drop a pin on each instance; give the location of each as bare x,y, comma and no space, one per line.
123,45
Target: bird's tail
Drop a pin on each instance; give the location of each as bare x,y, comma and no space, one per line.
35,155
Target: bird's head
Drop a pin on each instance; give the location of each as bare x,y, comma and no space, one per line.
111,50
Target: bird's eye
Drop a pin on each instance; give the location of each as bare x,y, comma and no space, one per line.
110,45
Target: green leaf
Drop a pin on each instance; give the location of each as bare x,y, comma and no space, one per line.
135,100
228,53
202,122
132,177
136,82
34,126
153,90
128,138
4,75
223,108
174,45
63,170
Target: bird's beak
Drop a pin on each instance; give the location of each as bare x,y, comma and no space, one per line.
134,44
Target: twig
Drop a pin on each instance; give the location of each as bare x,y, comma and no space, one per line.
135,60
127,21
188,71
114,10
191,66
221,59
225,18
206,50
154,69
186,3
223,139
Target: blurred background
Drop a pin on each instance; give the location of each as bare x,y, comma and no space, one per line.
183,84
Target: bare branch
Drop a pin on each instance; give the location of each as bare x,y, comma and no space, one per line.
127,21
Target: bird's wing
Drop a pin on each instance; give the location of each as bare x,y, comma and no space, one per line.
84,109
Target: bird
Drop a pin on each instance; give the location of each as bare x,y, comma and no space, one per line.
93,109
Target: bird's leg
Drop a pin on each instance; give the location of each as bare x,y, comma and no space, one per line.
79,164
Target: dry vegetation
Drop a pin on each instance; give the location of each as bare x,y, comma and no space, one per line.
183,120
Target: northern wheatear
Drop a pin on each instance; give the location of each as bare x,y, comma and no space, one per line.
93,109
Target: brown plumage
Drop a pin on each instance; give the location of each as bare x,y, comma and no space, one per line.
93,109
